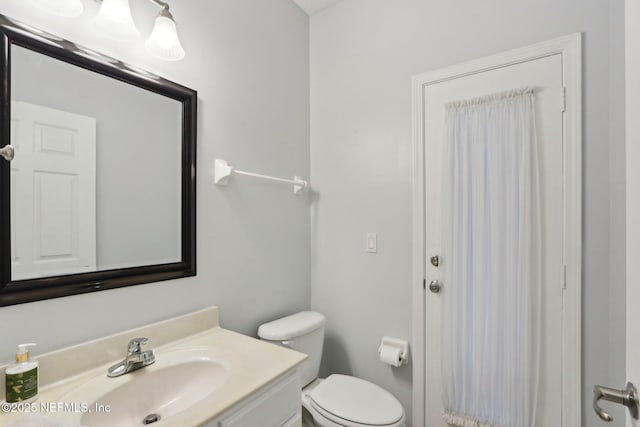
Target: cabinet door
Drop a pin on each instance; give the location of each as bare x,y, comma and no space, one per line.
277,406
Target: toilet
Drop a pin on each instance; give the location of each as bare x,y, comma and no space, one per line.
338,400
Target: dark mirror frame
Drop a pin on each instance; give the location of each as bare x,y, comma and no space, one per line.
14,33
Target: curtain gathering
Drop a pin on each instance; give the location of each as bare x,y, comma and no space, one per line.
491,269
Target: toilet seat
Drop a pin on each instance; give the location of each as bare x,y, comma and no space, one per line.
352,402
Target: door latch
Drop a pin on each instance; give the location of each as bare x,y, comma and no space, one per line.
435,260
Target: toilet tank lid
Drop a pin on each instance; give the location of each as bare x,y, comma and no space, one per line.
292,326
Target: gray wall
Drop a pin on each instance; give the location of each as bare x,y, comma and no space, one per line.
363,54
249,62
138,148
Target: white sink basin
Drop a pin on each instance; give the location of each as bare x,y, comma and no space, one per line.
174,383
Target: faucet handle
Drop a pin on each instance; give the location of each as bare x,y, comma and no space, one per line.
135,345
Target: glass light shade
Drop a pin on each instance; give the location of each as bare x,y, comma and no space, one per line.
66,8
115,20
163,41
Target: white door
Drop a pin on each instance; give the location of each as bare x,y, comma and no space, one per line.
632,146
53,181
632,46
545,74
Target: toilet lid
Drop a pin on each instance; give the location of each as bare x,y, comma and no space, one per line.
356,400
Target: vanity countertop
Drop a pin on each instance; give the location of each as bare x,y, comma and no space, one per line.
249,364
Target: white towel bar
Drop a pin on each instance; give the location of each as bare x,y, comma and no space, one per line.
223,171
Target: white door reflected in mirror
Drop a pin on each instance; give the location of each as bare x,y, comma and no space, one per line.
53,202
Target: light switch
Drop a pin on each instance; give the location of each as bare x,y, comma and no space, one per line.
372,242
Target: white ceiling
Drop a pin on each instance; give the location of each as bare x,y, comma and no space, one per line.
313,6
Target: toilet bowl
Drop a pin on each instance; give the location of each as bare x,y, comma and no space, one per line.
338,400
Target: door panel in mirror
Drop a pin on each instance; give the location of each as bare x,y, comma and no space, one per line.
53,187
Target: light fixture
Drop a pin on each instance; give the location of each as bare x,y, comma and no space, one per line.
163,41
66,8
115,20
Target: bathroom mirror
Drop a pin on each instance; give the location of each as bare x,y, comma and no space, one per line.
101,190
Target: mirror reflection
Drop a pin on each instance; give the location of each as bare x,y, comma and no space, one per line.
96,181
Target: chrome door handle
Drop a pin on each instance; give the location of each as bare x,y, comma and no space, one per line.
628,398
7,152
435,286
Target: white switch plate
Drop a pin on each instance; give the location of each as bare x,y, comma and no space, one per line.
372,243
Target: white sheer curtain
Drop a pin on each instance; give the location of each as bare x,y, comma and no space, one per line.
491,267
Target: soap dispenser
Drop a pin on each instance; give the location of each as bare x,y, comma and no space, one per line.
22,377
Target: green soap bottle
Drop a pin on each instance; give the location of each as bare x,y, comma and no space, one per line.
21,377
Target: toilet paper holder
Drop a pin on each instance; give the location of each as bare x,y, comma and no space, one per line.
398,344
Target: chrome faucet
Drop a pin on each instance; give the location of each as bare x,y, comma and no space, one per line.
136,358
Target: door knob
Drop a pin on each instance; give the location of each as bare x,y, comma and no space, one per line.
435,286
628,398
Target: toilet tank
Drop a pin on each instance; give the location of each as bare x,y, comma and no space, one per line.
303,332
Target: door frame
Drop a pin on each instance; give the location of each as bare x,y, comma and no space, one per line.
570,47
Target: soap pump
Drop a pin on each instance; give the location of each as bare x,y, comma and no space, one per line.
21,377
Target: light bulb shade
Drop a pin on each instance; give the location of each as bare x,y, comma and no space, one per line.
115,20
163,41
66,8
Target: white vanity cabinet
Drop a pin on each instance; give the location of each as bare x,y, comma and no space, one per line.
275,405
237,381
